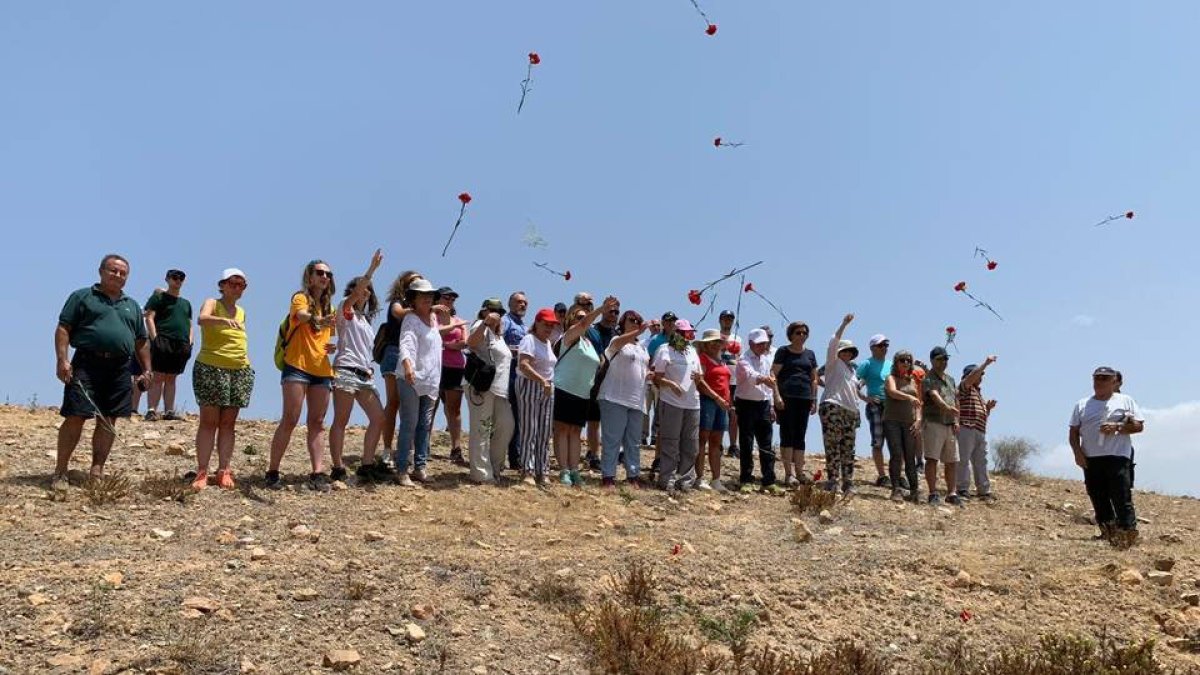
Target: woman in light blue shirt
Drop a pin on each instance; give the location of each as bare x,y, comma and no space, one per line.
574,375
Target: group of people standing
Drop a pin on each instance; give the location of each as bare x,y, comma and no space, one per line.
572,370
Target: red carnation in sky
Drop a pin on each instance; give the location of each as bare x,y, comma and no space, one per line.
1129,215
694,297
991,265
712,29
950,330
465,198
567,275
749,288
717,142
534,59
960,286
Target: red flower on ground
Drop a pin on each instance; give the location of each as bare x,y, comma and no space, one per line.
1129,215
465,198
950,330
992,264
534,59
960,286
749,288
676,549
712,29
717,142
567,275
817,476
965,616
694,297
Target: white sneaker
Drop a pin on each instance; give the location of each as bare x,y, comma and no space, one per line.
792,481
719,486
702,485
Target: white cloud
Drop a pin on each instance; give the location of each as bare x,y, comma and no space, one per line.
1165,451
1083,320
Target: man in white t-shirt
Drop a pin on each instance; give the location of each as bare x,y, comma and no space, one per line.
729,356
1101,426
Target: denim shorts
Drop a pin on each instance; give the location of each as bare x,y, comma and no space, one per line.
390,361
712,416
292,374
353,381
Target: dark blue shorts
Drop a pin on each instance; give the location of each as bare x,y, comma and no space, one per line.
712,416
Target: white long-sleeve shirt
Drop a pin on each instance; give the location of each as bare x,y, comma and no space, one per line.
749,369
421,346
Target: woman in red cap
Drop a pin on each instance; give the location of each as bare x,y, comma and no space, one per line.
535,396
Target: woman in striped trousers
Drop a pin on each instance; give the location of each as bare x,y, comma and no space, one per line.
535,397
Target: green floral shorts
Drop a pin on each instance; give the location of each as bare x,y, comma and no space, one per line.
222,387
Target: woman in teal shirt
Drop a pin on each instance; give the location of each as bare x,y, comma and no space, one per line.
574,375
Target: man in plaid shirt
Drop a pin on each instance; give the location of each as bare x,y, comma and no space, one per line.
973,414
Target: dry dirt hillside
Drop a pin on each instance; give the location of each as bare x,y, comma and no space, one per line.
463,579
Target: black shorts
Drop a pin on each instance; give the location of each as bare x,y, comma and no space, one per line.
99,385
168,355
570,409
452,379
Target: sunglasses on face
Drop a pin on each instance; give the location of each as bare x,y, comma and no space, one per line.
177,277
908,361
634,319
324,273
1102,378
236,284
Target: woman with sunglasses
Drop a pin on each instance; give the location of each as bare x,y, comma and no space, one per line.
454,361
389,336
622,401
421,368
354,376
488,411
574,374
795,371
307,375
902,424
222,378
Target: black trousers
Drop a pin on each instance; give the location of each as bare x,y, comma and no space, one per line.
754,424
902,453
1109,481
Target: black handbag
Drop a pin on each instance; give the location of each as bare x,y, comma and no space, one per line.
479,373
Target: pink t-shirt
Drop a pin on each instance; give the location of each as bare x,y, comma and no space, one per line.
454,358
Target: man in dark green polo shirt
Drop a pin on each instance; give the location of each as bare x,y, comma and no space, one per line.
106,329
169,326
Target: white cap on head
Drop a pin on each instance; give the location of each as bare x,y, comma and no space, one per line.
232,272
758,336
877,339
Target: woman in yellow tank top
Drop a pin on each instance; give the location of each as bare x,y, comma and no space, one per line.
222,378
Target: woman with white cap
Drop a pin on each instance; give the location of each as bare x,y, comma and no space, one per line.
222,378
677,371
419,374
715,403
839,410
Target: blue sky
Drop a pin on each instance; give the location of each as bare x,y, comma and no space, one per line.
884,142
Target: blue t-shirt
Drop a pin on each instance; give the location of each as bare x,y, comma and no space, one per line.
874,373
656,342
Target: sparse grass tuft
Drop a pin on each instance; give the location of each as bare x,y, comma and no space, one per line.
107,489
196,649
357,589
637,586
812,499
733,631
249,451
97,616
167,487
557,592
1054,655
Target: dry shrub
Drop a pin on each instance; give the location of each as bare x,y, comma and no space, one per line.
168,487
733,631
1053,655
196,649
637,586
98,616
812,499
556,592
1011,455
107,489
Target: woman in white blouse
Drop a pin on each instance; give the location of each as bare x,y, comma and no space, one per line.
535,397
622,399
488,412
420,369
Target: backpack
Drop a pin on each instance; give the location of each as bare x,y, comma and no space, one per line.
383,338
282,338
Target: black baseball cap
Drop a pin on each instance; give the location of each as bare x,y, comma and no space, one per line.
1106,371
176,273
445,291
967,370
726,313
560,307
937,352
669,316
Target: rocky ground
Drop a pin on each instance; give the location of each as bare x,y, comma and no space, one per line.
446,578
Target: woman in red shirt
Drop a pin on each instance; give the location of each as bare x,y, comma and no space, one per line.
715,403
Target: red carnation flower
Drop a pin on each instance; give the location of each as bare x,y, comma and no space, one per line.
817,476
534,59
712,29
675,549
965,616
960,286
992,264
1129,215
465,198
717,142
749,288
950,330
567,275
694,297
